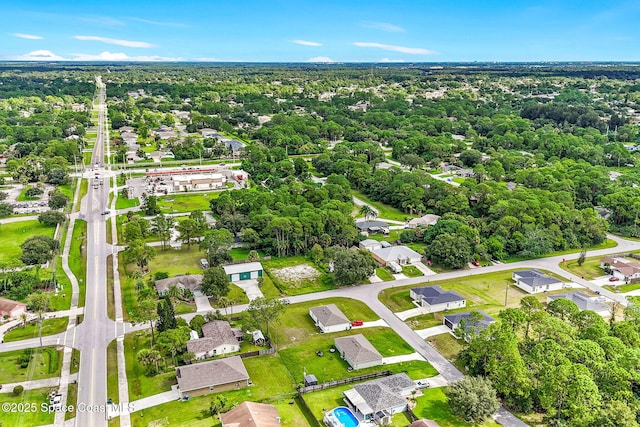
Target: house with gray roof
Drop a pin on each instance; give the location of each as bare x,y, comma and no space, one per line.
218,338
190,282
213,376
329,318
434,298
401,255
535,281
473,323
373,227
584,302
423,221
380,399
358,351
370,245
234,145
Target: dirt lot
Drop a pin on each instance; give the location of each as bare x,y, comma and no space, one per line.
296,274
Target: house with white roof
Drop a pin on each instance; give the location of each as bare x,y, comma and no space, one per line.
329,318
401,255
244,271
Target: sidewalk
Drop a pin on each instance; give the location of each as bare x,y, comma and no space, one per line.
126,408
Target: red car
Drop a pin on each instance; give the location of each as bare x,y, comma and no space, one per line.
476,263
613,279
357,323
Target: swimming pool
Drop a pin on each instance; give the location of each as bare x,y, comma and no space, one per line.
344,416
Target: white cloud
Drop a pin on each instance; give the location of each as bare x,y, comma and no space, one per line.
403,49
120,56
320,59
162,24
126,43
391,60
27,36
101,20
382,26
39,55
306,43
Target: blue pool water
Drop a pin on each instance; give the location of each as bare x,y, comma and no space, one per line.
346,417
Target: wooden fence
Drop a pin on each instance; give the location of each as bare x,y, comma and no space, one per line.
335,383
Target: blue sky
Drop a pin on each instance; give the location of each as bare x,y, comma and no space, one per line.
321,31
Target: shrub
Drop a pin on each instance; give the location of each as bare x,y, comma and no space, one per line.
17,390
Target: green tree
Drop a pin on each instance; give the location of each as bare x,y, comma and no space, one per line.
266,312
216,244
368,212
582,257
473,399
38,250
450,250
51,218
166,315
150,205
57,200
39,303
145,313
139,253
215,282
188,230
351,267
196,323
162,226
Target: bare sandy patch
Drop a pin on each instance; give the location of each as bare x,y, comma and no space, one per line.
297,274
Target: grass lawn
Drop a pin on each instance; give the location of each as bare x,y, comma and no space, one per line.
140,384
75,361
321,282
111,308
604,245
384,211
13,234
86,157
269,289
67,189
239,254
61,301
296,325
84,189
24,418
49,327
623,288
22,197
122,203
590,269
78,257
331,367
411,271
236,295
72,400
112,371
433,405
425,321
483,292
186,202
448,346
43,364
175,261
384,274
108,234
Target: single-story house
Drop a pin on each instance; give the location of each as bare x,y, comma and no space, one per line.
401,255
370,245
434,298
12,308
329,318
189,282
534,281
251,414
129,138
583,301
452,321
234,145
213,376
244,271
358,351
194,182
209,133
126,129
423,221
373,227
626,270
217,338
380,399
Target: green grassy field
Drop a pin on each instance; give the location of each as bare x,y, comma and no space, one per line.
36,417
84,189
112,371
483,292
22,197
433,405
384,274
236,295
78,257
140,384
122,203
296,325
49,327
411,271
384,211
608,243
13,234
239,254
590,269
44,364
186,202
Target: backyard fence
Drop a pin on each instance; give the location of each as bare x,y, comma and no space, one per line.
313,421
245,261
260,352
331,384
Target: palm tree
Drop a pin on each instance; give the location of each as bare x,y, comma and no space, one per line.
224,302
368,212
173,291
24,318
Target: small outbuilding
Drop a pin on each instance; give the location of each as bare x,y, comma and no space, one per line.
244,271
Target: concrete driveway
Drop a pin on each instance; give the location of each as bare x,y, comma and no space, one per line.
250,287
429,332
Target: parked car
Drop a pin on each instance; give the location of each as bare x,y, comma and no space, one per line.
357,323
613,279
475,262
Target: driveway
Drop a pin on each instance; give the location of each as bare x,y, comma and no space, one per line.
429,332
404,315
424,269
403,358
251,288
202,303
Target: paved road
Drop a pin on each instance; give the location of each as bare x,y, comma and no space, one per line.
95,332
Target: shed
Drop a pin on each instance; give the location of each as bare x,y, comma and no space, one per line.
310,379
245,271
